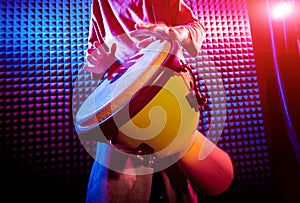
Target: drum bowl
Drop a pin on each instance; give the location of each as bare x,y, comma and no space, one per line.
148,105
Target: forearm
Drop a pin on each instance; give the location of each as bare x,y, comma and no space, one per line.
211,175
192,41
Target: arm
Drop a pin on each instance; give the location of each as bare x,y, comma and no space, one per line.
190,36
99,57
195,37
184,26
183,18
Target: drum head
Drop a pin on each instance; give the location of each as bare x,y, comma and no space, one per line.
116,91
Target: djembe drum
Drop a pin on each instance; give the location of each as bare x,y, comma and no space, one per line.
145,105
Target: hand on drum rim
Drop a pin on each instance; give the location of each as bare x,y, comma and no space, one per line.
151,32
98,59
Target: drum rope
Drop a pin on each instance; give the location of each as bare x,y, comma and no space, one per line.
185,67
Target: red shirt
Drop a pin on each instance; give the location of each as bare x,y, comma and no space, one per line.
111,18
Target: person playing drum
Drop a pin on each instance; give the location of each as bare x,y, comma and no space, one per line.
168,20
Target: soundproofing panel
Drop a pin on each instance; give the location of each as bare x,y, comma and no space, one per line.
228,55
42,48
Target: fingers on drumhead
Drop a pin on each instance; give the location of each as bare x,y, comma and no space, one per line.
90,59
145,42
113,48
139,26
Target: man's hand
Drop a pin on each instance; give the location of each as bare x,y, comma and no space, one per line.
152,32
98,59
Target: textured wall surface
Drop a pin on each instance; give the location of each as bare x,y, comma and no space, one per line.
42,46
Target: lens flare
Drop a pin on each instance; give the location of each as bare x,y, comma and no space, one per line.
282,10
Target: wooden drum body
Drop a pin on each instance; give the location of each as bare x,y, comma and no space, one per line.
144,106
